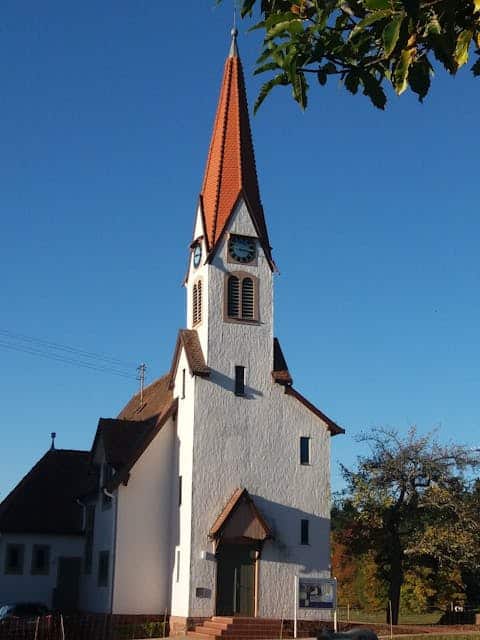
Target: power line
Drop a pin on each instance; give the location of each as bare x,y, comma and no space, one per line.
91,355
58,357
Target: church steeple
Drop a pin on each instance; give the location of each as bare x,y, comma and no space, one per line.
230,172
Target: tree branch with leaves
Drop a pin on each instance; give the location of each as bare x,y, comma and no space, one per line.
366,43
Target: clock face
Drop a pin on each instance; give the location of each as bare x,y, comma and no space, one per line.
242,248
197,254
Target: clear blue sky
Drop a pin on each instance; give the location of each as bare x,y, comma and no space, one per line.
106,111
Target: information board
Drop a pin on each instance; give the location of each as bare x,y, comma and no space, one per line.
317,593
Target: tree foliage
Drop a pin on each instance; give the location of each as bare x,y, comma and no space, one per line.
365,43
410,503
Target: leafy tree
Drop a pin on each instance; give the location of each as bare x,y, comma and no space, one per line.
411,505
366,43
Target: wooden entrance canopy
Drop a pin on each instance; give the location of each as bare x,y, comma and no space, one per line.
240,521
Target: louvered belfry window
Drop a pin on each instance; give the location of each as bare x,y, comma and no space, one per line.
248,301
233,297
197,302
241,297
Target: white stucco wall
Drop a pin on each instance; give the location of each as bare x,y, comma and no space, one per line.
35,588
182,515
95,598
144,559
194,274
253,442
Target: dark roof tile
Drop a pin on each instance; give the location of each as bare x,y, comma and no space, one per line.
45,500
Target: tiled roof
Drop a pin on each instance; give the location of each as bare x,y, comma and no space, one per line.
188,339
135,447
45,500
282,376
280,372
156,397
230,171
122,437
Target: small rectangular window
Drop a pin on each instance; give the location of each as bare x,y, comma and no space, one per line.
40,559
179,490
183,383
304,532
14,555
178,566
103,562
304,450
239,381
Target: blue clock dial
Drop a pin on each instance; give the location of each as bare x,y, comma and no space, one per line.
242,248
197,254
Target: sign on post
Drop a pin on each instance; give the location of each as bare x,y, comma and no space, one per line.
315,593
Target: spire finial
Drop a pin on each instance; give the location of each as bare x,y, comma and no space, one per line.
53,435
234,33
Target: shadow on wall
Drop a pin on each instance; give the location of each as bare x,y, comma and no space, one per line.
286,546
228,383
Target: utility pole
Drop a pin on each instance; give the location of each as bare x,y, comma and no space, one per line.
142,369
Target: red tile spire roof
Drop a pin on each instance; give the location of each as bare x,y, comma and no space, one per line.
230,171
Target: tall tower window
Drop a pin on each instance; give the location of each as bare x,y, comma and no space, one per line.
233,297
241,297
197,303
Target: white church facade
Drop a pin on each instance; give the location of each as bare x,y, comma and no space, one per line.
211,490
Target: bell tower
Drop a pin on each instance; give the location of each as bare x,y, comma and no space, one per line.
229,283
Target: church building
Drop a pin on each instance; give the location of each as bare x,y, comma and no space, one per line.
210,491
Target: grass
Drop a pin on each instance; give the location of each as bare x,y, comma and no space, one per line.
379,617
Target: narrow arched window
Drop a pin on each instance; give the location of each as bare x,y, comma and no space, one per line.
248,299
197,303
241,297
233,300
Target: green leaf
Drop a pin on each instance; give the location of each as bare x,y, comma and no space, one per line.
378,4
433,27
390,34
247,7
269,66
371,18
280,79
400,75
411,7
292,26
461,50
373,89
419,77
322,77
352,81
300,87
476,68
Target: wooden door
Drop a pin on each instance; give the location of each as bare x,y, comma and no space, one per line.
236,580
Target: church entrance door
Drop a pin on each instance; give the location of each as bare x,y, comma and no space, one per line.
236,580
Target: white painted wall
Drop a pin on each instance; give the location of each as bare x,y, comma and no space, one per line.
35,588
182,516
253,442
202,271
144,561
